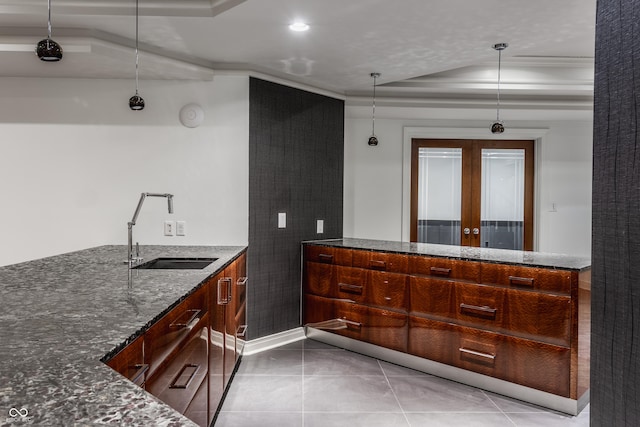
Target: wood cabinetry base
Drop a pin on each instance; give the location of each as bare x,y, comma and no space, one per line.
516,391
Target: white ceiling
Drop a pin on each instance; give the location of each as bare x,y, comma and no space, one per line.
421,47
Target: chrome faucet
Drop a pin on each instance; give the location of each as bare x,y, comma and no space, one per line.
131,260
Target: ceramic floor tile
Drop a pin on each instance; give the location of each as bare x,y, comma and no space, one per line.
348,394
264,393
261,419
354,419
322,362
317,345
508,404
272,362
433,394
436,419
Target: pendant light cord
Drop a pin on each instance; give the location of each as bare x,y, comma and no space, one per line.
136,46
499,66
373,116
49,21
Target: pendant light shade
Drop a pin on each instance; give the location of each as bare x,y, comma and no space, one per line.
47,49
373,139
498,126
136,103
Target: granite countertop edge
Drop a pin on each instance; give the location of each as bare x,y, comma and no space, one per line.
62,316
497,256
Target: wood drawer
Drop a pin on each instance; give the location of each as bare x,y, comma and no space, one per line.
165,338
179,380
328,255
319,279
539,279
350,283
129,362
432,297
532,315
381,261
376,326
445,268
530,363
387,290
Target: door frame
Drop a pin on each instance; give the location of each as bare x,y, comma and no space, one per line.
538,135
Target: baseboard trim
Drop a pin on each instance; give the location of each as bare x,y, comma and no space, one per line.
272,341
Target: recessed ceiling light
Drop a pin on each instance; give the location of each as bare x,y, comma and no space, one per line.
299,26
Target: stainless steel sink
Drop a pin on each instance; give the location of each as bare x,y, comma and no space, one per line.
176,264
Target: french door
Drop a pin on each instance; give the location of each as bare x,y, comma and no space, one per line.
472,193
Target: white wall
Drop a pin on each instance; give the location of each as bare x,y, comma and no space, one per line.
74,160
376,198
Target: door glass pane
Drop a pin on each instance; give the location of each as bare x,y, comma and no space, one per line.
439,195
502,203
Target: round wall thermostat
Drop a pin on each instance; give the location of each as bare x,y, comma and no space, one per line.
191,115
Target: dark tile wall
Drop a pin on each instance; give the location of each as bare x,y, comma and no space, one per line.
615,331
296,162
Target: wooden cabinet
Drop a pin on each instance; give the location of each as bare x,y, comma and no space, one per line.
517,323
188,356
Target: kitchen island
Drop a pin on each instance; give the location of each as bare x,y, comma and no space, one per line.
59,316
513,322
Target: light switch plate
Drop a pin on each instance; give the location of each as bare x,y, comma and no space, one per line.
282,220
320,226
181,228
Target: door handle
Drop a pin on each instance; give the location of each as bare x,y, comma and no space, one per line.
466,231
476,231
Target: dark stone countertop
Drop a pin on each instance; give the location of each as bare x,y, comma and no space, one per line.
60,315
499,256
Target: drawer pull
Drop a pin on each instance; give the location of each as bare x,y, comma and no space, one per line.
352,289
242,331
224,290
186,318
326,258
184,377
439,271
242,281
477,353
521,281
378,265
142,369
334,324
475,310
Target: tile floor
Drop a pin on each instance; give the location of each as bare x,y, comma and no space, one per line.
312,384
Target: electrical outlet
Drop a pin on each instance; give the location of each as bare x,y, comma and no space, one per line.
169,228
181,228
320,226
282,220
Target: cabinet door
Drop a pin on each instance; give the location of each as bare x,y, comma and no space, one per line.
217,330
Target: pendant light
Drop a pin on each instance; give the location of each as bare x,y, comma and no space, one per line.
498,127
136,103
373,140
46,49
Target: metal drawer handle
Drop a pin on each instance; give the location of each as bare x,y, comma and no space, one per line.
352,289
242,331
142,369
179,382
242,281
326,258
521,281
224,285
477,353
190,314
484,311
334,324
439,271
